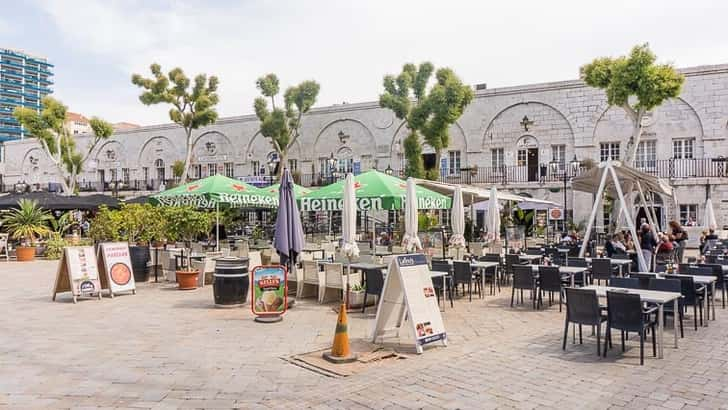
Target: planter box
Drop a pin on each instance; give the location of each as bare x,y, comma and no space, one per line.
356,299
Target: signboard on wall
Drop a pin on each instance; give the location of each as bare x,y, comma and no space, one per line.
78,273
443,166
556,214
409,296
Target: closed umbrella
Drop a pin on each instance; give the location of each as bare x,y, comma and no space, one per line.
493,224
288,239
457,220
710,222
411,241
348,220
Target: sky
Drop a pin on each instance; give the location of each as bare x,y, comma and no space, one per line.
347,46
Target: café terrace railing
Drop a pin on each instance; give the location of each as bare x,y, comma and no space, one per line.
671,169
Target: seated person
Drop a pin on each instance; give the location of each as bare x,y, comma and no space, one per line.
615,246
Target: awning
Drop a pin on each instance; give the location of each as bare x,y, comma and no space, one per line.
628,177
49,200
474,194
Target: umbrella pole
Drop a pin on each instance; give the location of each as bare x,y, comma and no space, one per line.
217,226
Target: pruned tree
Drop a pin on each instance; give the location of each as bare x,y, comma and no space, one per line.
59,145
634,83
193,103
430,114
282,125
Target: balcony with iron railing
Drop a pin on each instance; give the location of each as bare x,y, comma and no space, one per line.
674,170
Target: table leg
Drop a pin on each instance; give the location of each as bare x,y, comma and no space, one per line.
661,325
713,285
675,323
444,292
482,282
573,283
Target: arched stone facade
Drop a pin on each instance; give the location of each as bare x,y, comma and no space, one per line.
542,125
36,167
349,140
458,142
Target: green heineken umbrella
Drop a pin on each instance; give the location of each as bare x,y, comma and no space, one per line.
374,191
214,191
298,190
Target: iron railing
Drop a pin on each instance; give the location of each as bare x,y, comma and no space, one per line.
671,169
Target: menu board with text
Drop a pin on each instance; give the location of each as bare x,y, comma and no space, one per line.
78,273
116,269
409,295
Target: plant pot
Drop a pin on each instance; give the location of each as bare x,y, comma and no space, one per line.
72,239
356,298
25,253
139,258
187,280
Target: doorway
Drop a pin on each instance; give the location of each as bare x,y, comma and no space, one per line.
642,217
532,164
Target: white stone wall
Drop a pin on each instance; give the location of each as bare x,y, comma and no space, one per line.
568,113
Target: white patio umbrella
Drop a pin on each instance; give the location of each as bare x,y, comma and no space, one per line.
493,223
348,220
410,241
457,220
710,222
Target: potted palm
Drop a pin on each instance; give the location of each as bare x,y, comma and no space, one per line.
185,224
28,223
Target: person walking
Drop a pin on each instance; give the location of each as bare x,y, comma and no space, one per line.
681,239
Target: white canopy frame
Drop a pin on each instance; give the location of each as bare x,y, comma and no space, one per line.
607,171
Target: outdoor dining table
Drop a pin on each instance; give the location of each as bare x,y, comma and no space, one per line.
571,271
659,298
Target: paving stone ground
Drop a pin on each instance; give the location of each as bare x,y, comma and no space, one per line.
165,348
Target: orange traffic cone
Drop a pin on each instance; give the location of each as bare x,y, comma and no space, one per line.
341,352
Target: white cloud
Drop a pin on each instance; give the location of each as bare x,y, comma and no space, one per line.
349,46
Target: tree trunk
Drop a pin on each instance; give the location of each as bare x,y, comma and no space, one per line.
188,159
637,133
283,162
629,159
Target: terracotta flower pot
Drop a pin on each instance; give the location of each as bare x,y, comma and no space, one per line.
187,280
25,253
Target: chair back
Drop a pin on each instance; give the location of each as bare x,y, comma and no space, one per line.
397,250
687,289
601,268
659,268
254,259
522,277
387,259
717,271
666,285
334,275
306,256
441,266
380,249
374,281
578,262
511,261
701,270
582,306
310,271
366,258
643,278
549,278
624,311
490,257
476,248
628,283
462,272
534,251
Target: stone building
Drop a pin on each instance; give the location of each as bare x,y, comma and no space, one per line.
520,138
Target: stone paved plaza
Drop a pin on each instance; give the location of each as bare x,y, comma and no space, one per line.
165,348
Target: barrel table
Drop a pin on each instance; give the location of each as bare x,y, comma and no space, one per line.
231,281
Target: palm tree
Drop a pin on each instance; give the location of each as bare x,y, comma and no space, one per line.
28,222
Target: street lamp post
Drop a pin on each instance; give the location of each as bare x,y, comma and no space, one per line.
389,171
332,164
566,173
